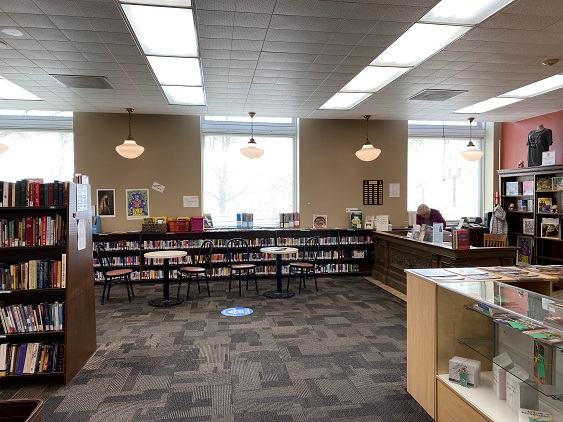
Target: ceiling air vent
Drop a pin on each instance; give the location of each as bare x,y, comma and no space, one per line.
79,81
436,94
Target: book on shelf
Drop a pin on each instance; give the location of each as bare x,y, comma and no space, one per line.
423,230
557,183
460,239
319,221
437,233
369,222
544,204
528,226
550,228
522,204
355,218
543,183
207,221
513,188
524,251
528,187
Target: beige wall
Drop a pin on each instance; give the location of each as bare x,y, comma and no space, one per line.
331,176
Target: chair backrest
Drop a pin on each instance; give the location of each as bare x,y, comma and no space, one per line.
237,250
103,257
204,254
311,249
495,239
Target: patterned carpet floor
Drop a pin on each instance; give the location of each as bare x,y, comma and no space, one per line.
338,354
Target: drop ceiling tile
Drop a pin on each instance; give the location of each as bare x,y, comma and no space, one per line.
124,38
241,33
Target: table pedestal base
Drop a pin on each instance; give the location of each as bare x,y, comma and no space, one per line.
162,303
277,294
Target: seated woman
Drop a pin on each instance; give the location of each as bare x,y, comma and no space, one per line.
428,216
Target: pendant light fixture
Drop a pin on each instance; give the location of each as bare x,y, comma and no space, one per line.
129,148
471,153
368,152
3,148
252,150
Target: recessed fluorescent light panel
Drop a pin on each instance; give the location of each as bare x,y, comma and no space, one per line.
463,13
373,78
537,88
165,30
184,95
11,91
176,70
422,40
487,105
344,101
169,3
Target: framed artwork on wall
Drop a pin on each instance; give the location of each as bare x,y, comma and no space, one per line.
106,202
137,203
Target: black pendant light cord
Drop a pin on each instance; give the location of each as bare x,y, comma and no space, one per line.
129,138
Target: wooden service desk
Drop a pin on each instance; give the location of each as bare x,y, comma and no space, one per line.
394,253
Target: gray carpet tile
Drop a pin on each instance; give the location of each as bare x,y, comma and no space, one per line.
338,354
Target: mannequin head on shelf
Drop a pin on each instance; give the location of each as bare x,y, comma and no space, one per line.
555,209
540,127
520,164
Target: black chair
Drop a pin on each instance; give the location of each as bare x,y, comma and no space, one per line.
201,266
113,276
306,264
238,257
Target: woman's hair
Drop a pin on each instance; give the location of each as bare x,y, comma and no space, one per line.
422,209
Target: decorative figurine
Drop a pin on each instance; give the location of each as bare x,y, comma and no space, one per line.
512,207
555,209
520,164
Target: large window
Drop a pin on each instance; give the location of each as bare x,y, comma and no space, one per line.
235,184
437,174
41,145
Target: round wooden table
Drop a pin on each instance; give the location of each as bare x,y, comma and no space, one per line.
279,251
166,255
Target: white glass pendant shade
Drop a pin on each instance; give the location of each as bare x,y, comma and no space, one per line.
368,152
3,148
251,150
129,148
471,153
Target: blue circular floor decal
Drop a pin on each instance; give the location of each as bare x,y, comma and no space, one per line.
236,311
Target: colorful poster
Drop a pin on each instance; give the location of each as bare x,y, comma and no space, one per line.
137,203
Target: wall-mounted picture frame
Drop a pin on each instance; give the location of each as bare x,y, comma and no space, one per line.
105,202
137,203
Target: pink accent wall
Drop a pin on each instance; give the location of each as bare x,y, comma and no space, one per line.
515,135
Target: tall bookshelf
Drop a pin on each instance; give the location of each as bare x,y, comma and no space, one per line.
546,244
70,283
341,252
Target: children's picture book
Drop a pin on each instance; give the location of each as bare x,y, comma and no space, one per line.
513,188
557,183
524,251
522,205
356,219
207,221
550,228
543,183
528,187
369,222
319,221
544,204
528,226
460,239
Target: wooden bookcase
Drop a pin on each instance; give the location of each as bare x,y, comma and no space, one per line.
545,250
78,334
342,251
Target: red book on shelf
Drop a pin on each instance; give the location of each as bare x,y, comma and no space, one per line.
29,231
461,240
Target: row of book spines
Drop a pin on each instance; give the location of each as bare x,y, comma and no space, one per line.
30,193
41,317
460,239
290,220
34,274
148,275
33,231
121,245
31,358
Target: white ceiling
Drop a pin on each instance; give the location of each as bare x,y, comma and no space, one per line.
282,58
